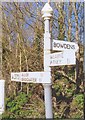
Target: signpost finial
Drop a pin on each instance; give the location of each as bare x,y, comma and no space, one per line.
48,1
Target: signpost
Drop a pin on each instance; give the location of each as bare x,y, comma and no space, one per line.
31,77
62,58
65,57
59,45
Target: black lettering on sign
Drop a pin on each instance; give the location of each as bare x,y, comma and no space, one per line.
61,45
29,79
55,62
73,46
54,56
65,46
25,74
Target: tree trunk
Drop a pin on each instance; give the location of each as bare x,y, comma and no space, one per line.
78,53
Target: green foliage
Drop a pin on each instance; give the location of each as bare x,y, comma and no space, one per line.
24,106
69,104
14,105
17,102
79,101
77,105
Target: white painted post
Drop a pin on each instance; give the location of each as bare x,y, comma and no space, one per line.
2,96
47,14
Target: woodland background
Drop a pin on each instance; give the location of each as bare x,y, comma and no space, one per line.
22,50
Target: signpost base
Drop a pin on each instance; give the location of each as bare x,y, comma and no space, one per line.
48,101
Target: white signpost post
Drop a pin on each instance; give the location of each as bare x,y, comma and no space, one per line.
47,14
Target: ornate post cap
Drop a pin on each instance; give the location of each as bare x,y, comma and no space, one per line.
47,11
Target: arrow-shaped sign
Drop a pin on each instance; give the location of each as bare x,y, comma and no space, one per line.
61,58
59,45
31,77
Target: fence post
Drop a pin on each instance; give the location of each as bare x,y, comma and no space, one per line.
2,96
